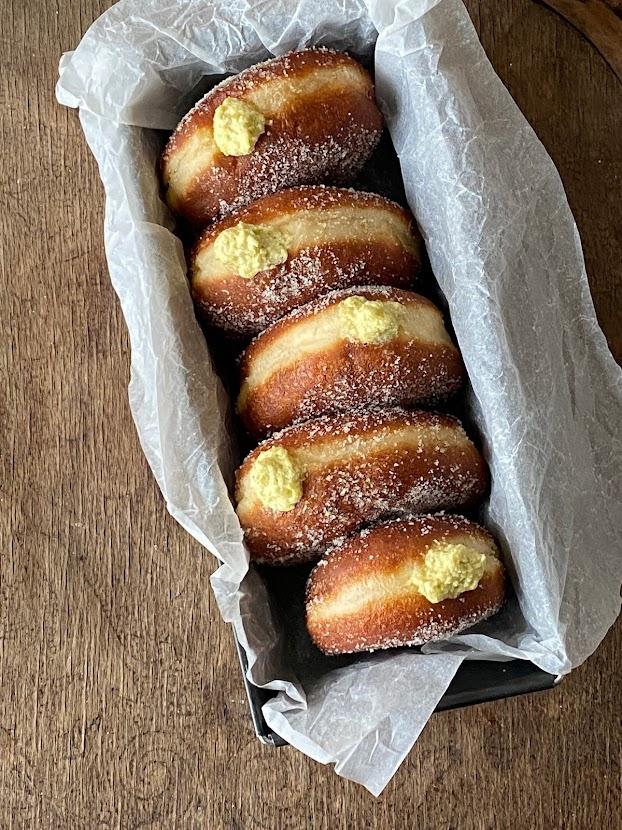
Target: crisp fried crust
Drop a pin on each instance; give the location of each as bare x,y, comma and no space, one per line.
345,615
342,238
358,469
322,125
304,366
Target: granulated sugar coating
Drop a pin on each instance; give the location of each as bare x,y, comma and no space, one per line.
311,272
362,596
350,427
305,365
285,162
379,292
433,629
358,469
321,125
336,238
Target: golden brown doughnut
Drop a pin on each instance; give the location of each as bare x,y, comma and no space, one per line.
360,347
305,117
305,241
404,583
313,483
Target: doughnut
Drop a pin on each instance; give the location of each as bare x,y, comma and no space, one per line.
305,117
360,347
404,583
309,485
288,248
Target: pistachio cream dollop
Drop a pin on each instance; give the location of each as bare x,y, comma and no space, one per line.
276,479
448,571
369,321
248,249
237,126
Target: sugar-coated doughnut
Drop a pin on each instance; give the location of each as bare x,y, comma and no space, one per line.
291,247
404,583
311,484
360,347
305,117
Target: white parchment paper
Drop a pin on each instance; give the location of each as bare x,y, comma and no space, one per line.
546,393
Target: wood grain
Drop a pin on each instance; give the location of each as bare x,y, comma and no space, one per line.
599,22
121,704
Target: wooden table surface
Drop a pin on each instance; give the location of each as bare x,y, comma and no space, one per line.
121,702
